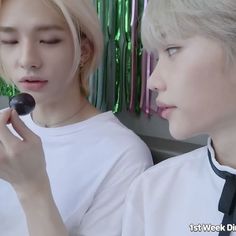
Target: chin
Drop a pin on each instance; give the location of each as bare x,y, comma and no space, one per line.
180,133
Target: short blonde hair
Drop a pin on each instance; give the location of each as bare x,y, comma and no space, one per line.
180,19
82,19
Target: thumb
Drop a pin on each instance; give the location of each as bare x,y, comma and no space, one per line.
20,127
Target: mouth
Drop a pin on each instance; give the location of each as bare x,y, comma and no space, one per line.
32,83
164,110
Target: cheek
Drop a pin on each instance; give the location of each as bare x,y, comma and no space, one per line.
199,69
61,59
197,88
61,68
7,64
198,116
60,74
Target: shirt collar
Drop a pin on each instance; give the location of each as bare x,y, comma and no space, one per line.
216,166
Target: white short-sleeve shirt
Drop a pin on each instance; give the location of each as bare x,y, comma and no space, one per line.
90,165
178,197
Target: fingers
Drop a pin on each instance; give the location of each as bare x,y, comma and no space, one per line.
20,127
5,116
6,136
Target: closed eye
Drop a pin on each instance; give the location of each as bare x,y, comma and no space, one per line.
52,41
9,42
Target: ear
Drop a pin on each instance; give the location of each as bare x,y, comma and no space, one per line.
86,51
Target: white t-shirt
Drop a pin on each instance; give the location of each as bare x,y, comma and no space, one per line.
90,166
178,197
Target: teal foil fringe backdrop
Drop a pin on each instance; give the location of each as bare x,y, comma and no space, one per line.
120,82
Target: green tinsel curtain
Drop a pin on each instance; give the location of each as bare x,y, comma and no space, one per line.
7,89
118,83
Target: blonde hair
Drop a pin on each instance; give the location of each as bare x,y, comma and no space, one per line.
83,22
180,19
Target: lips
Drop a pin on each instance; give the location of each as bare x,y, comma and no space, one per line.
32,83
165,110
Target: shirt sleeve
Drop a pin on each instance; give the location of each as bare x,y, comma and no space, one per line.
104,217
133,218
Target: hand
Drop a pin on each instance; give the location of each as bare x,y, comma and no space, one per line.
22,162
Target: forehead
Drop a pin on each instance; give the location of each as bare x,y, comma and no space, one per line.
25,13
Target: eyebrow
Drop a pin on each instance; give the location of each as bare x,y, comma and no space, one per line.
8,29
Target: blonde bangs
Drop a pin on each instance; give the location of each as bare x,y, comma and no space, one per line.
160,24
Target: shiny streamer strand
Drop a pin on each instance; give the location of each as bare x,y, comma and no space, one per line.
133,54
127,51
145,98
102,76
144,79
118,55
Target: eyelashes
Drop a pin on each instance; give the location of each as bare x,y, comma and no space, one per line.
9,42
43,41
172,50
52,41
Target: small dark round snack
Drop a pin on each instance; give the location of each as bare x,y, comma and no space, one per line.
23,103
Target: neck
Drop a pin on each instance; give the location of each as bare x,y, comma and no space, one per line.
225,150
56,115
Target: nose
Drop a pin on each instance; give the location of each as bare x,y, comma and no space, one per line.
29,57
156,82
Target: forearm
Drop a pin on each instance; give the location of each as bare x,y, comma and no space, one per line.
42,215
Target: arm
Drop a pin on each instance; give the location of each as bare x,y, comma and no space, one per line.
133,222
22,164
42,214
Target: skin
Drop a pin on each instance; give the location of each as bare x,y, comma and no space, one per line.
47,55
192,76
